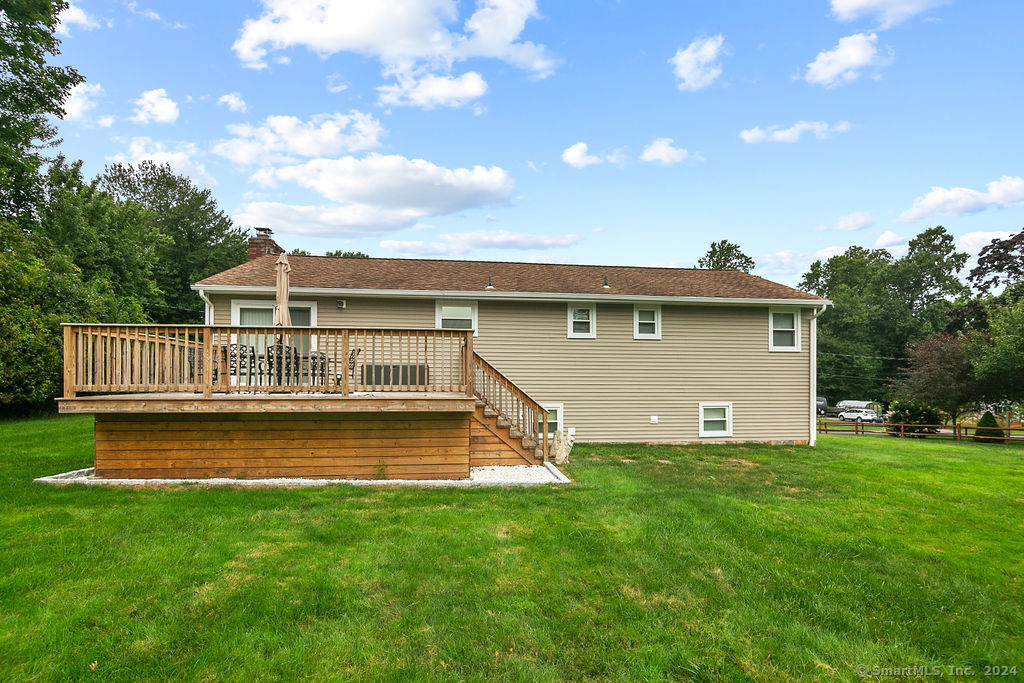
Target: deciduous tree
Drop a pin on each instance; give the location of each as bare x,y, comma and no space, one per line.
724,255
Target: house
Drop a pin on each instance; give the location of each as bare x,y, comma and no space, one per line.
443,364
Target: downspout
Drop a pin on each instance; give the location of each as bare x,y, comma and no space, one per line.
208,310
813,425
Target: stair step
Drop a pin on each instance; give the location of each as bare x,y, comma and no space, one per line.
479,403
490,412
502,422
529,443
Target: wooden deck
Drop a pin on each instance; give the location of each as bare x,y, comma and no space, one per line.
214,401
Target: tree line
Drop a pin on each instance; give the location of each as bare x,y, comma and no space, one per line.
909,328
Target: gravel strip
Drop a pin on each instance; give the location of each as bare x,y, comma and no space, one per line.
499,475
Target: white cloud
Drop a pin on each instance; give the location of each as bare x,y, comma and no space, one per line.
336,84
423,248
233,101
180,157
847,60
974,242
851,222
820,129
155,106
284,138
792,262
956,201
888,12
662,152
73,15
578,156
414,40
431,91
697,66
105,121
133,7
81,100
394,182
890,239
332,220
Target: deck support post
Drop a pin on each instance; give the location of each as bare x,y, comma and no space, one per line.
70,360
205,377
544,457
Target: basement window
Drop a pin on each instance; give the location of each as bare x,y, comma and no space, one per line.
715,419
554,418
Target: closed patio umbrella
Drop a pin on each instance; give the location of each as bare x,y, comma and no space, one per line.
281,315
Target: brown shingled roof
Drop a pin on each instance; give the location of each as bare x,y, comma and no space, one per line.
472,276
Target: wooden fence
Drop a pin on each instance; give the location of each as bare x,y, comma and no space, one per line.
236,359
956,432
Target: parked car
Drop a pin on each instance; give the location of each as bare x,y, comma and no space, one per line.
821,404
860,415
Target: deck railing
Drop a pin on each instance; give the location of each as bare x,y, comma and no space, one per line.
510,402
241,359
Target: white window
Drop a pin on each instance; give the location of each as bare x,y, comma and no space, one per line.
784,329
452,314
556,418
582,321
646,321
260,312
715,419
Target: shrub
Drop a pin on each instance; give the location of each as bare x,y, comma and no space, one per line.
918,420
988,430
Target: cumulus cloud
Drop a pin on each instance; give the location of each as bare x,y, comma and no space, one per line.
180,157
974,242
155,106
81,100
105,121
888,12
282,139
233,101
790,262
73,15
956,201
430,91
415,41
820,129
851,222
697,65
663,152
395,182
350,220
890,239
847,61
578,156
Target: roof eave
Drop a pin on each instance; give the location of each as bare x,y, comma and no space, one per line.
495,295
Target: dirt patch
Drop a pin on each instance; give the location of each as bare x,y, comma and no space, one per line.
741,462
665,462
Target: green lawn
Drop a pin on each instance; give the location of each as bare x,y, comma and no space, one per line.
662,562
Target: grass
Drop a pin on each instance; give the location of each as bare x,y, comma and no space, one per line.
662,562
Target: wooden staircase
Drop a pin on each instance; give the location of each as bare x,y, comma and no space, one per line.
509,427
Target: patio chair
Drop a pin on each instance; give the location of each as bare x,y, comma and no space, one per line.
351,366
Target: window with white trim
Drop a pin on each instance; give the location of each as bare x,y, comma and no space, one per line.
646,321
582,321
555,418
454,314
715,419
784,329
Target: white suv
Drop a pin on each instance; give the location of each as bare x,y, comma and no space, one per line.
860,415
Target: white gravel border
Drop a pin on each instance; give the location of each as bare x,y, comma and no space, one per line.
497,475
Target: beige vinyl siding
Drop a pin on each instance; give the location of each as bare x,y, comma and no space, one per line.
359,312
612,385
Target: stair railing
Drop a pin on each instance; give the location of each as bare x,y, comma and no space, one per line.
501,395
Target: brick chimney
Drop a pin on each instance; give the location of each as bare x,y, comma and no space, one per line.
263,244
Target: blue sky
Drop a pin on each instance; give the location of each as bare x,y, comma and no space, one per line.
589,132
